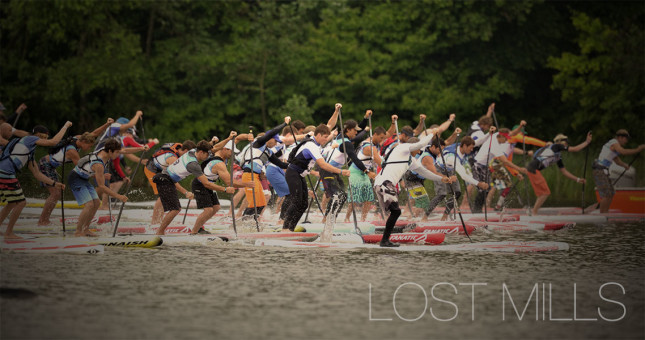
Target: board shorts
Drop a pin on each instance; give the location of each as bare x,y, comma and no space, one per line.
81,188
167,192
332,183
603,182
416,190
260,200
277,180
500,176
388,196
540,187
149,176
10,189
48,170
205,198
360,185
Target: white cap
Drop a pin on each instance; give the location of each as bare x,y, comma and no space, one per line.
231,146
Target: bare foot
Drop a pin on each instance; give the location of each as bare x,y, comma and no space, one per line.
12,236
44,223
285,230
79,234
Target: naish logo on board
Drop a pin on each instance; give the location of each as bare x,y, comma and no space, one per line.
126,243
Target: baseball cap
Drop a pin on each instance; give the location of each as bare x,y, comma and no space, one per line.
122,120
231,146
560,137
351,124
622,133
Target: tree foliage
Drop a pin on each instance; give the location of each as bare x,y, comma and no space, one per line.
198,68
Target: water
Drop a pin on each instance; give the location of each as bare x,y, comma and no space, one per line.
239,291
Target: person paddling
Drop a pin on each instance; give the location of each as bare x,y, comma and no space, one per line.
305,156
158,162
15,155
168,181
67,150
609,153
545,157
93,165
214,168
397,162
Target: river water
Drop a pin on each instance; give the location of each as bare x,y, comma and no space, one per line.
244,292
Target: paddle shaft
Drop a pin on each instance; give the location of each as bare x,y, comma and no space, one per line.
369,119
255,207
490,145
624,171
526,186
233,205
62,190
456,207
186,213
127,189
396,126
342,138
311,201
584,175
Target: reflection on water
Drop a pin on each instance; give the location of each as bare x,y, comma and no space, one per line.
240,291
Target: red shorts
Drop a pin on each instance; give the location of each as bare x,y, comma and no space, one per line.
540,187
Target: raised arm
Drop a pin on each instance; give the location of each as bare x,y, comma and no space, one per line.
419,128
392,129
453,138
331,123
102,128
220,145
132,123
260,141
54,140
425,140
581,145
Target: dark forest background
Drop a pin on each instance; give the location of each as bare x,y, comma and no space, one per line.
199,68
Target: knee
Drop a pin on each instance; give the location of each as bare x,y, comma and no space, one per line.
216,208
395,213
208,211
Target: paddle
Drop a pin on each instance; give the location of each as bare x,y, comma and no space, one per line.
624,171
372,167
490,145
186,213
454,166
396,126
526,186
342,138
314,191
584,175
19,112
616,181
232,205
127,189
62,191
456,207
255,207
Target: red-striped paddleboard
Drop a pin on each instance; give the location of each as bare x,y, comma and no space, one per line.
42,247
101,219
408,238
496,218
506,246
453,227
403,223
